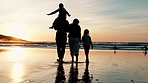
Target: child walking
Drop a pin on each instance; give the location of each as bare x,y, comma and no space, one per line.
86,40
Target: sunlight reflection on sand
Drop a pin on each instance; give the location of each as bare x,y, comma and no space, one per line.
17,72
38,65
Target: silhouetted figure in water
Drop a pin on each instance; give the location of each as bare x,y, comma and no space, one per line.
86,77
61,25
115,48
145,50
74,39
73,74
60,78
86,40
61,17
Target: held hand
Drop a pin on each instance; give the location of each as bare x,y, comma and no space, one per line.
79,46
92,47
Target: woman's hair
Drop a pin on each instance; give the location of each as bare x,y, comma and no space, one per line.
75,21
86,31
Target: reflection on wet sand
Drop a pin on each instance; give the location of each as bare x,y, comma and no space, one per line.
73,74
14,57
37,65
17,72
86,77
145,53
3,50
17,55
60,77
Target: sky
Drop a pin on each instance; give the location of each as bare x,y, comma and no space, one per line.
107,20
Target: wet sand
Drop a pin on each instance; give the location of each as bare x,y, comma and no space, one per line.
38,65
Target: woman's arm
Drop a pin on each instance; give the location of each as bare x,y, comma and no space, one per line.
91,43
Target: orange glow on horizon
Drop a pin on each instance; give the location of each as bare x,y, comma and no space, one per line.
18,31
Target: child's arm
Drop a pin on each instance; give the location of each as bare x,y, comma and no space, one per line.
67,13
53,12
91,43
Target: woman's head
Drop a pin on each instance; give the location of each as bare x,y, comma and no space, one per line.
86,32
75,21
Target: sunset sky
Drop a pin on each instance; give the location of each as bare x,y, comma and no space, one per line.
107,20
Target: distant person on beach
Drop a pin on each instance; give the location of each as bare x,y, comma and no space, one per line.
115,48
145,48
86,40
74,39
62,15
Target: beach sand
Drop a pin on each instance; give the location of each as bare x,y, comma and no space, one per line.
39,65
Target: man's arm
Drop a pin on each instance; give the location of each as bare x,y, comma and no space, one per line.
80,34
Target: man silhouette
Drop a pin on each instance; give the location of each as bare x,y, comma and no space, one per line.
60,24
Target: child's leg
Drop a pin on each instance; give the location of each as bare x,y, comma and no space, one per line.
54,24
86,54
76,57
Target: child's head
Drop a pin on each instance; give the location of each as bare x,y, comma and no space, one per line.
61,5
86,32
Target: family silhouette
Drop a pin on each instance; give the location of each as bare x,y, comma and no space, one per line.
62,27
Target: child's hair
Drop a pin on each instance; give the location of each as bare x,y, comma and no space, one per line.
86,32
61,5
